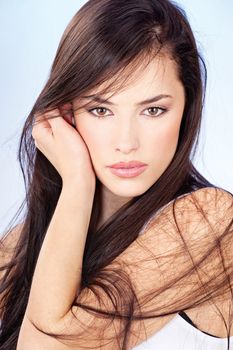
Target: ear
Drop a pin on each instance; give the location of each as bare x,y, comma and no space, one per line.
72,114
66,111
73,119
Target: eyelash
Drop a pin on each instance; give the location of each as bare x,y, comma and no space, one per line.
163,110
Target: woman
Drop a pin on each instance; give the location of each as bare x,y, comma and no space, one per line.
107,257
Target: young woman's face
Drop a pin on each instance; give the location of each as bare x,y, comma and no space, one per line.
131,130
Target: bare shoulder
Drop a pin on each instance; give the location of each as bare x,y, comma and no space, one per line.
195,219
211,198
206,213
205,200
181,251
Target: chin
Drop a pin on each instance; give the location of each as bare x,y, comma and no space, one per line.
128,190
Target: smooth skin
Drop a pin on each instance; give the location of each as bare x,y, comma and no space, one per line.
128,131
79,156
82,154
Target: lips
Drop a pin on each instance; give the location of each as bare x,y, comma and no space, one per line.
128,172
127,165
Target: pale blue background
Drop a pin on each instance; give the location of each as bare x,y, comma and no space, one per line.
29,35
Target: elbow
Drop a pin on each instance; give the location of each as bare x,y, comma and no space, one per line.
32,337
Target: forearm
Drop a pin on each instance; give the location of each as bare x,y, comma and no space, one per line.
57,276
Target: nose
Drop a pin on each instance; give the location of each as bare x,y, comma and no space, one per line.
126,137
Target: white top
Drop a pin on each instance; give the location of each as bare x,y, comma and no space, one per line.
179,334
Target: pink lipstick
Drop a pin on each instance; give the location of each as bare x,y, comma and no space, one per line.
128,169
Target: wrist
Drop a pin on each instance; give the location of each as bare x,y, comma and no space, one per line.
79,190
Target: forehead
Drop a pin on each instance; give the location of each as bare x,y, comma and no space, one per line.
159,74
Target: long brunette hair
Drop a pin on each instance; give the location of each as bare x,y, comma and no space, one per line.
105,38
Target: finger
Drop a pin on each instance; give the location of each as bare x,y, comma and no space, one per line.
37,144
56,120
41,126
40,119
66,112
52,114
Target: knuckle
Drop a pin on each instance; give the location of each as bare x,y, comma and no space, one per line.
53,113
35,132
36,120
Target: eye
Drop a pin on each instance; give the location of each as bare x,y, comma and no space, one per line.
100,110
154,110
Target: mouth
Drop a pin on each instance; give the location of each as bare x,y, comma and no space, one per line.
128,172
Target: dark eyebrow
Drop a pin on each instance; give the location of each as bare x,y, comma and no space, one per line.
150,100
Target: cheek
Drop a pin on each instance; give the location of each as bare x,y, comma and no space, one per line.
93,139
166,139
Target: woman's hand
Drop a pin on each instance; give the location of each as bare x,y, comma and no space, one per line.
64,147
